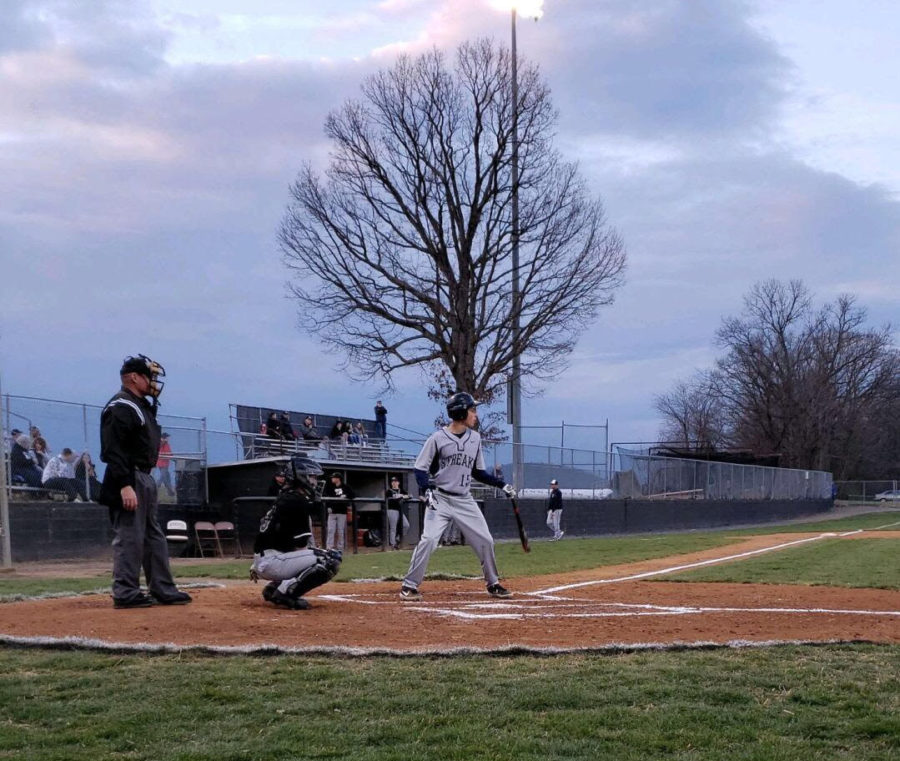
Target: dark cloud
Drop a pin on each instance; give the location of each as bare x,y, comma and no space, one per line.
666,70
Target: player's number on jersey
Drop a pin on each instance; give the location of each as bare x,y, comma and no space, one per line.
465,480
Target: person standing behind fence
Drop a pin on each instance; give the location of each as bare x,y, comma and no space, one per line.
162,464
129,445
380,420
86,476
554,511
338,498
396,500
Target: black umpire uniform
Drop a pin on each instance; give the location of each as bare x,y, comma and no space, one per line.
129,445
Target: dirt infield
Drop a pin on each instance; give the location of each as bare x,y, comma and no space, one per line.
622,605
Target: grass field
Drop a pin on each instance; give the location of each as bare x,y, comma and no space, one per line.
766,704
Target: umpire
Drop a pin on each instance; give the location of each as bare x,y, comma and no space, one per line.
129,445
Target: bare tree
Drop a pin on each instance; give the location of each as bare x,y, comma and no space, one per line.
401,255
692,415
815,386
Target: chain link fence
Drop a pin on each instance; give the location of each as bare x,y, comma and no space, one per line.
51,425
869,491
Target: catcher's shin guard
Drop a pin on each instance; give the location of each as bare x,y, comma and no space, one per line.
312,577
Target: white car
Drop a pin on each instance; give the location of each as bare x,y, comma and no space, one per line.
888,496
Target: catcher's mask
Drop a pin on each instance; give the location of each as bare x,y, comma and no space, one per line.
149,368
304,472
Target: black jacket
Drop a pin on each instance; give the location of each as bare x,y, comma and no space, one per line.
342,495
555,501
129,441
287,519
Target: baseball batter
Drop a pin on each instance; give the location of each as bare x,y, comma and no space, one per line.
444,470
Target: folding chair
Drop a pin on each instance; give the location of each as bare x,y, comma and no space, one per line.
207,538
226,531
177,537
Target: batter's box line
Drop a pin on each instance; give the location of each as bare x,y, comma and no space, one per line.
648,611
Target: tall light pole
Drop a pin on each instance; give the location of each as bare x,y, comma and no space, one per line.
515,385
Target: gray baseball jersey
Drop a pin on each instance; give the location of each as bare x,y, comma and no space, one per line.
450,459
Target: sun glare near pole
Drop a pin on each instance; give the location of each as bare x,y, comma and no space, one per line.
527,8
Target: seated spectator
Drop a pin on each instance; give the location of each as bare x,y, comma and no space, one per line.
348,431
359,434
86,476
23,469
273,426
40,451
60,475
287,430
308,430
337,431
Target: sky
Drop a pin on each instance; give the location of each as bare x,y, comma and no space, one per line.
147,147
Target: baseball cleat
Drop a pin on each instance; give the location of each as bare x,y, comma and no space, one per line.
410,593
179,598
271,594
140,600
497,590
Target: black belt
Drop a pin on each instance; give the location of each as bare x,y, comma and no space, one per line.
450,493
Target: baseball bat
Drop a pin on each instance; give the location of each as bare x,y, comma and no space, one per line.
523,537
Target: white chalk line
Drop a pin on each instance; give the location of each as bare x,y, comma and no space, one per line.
650,611
684,567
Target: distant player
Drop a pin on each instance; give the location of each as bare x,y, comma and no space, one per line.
281,552
444,470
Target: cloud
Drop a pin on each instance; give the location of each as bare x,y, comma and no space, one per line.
143,194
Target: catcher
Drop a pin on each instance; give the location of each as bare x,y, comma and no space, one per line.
281,552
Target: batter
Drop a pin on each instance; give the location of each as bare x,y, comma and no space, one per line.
444,470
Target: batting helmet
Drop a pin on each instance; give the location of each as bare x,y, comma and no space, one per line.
459,404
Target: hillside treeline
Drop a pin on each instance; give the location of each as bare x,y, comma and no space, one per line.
814,385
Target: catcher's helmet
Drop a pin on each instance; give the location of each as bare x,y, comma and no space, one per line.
147,367
302,467
459,404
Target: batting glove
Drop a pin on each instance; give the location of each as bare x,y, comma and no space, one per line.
430,501
509,491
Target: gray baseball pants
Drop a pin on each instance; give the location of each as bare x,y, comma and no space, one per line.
283,566
464,510
553,522
140,542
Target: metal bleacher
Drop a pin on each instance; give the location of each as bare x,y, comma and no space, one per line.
375,452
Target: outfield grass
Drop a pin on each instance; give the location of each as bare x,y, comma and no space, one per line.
832,562
546,557
838,702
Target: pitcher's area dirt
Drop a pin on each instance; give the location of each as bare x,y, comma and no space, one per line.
585,609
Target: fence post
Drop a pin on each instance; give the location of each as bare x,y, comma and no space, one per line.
4,501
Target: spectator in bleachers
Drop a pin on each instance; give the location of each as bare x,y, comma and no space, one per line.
308,430
59,474
34,432
9,440
273,426
86,476
359,435
380,420
23,469
287,430
164,460
337,432
40,451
